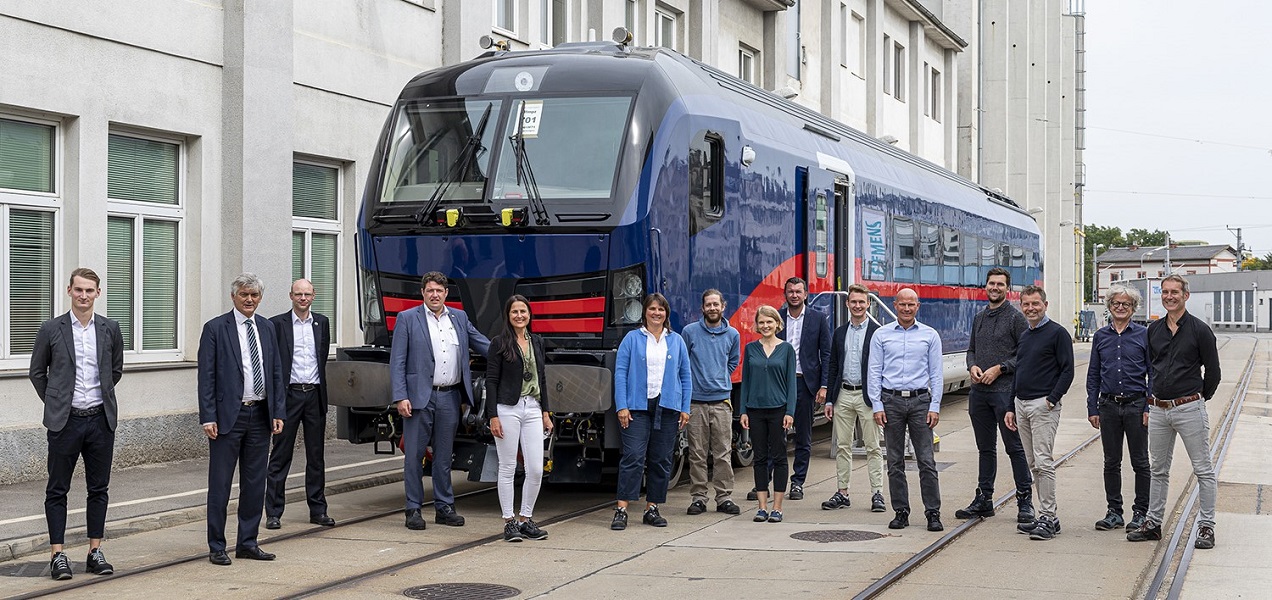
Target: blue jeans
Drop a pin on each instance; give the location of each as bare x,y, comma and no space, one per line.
648,441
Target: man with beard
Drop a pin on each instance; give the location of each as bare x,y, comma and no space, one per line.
714,352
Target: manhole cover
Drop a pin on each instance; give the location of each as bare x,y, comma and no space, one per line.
826,536
461,591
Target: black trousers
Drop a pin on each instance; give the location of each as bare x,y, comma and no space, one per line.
303,408
91,438
803,432
246,446
1118,420
986,410
769,440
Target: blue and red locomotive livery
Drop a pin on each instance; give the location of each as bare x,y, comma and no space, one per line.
586,176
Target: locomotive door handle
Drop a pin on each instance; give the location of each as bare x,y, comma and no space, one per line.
660,282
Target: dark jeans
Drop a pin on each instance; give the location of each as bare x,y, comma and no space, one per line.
986,410
910,414
648,441
803,432
92,438
769,440
303,408
433,425
246,447
1118,420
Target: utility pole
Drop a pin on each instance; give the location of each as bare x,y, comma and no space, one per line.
1168,254
1240,250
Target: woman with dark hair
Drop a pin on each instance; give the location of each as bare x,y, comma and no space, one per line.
652,390
515,382
766,403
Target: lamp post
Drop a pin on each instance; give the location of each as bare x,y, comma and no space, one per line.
1095,273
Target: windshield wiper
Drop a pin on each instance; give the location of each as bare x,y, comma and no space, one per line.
467,155
525,175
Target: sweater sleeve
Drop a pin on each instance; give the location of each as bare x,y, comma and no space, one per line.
686,378
622,363
971,341
1064,360
1018,326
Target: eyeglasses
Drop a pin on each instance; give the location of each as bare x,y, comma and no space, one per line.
1120,304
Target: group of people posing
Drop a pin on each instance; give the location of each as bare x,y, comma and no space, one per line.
260,379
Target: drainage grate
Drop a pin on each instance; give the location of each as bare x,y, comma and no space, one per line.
461,591
826,536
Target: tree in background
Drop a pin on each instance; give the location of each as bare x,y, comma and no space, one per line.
1112,237
1143,237
1258,264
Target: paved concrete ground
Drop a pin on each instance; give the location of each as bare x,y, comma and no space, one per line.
710,555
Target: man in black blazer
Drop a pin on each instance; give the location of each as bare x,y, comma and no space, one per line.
76,361
241,401
304,339
848,405
809,332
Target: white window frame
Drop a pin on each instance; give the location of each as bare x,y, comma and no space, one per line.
887,64
898,71
927,89
661,15
140,212
496,26
545,25
38,202
859,30
935,102
309,226
747,58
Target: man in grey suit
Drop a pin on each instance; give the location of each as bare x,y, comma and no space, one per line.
241,401
428,368
76,361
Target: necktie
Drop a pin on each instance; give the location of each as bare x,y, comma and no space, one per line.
258,379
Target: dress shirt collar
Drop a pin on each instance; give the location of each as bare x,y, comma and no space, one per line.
75,322
305,321
1044,321
240,317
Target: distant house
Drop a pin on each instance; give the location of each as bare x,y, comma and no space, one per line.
1137,262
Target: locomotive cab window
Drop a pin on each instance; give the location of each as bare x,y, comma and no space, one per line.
706,181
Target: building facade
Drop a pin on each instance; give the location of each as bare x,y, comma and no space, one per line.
171,145
1122,264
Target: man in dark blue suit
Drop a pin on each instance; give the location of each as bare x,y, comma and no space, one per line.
428,368
304,340
241,401
809,332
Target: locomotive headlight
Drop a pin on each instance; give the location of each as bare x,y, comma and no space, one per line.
631,311
626,288
629,286
371,312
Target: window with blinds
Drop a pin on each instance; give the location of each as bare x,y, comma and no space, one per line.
26,156
30,277
316,233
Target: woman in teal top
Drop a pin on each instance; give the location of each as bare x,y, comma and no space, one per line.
767,408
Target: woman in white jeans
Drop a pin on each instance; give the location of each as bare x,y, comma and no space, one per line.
515,384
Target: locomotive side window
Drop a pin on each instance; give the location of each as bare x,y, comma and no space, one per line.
950,256
971,260
706,181
903,249
929,253
821,246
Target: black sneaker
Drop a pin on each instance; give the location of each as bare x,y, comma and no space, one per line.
446,515
729,508
839,500
696,507
620,520
1205,538
982,506
1148,532
1027,528
1110,521
751,496
901,521
1024,507
60,567
531,531
1137,521
1044,529
796,493
653,518
934,520
876,503
512,531
414,520
97,564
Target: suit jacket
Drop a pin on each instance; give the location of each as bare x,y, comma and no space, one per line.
53,367
814,348
411,356
836,367
221,371
287,344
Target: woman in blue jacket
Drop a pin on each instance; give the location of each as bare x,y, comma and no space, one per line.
652,391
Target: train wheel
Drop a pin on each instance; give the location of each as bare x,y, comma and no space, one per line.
743,451
680,458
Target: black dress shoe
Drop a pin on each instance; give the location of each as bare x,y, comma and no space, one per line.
414,520
219,557
901,521
323,520
273,523
254,553
446,515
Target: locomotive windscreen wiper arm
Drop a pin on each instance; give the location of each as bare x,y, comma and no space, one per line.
525,175
467,155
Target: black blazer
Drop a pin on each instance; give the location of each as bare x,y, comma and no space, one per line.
503,377
814,348
837,351
287,344
52,369
221,371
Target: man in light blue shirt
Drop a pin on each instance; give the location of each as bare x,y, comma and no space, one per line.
904,382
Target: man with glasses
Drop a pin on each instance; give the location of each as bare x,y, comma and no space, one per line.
1117,384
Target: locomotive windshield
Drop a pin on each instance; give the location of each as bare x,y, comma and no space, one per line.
440,144
572,145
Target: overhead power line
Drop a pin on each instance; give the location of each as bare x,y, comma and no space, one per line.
1184,139
1180,194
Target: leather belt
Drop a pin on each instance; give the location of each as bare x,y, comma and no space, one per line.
852,388
87,412
445,388
302,387
253,402
905,393
1169,404
1121,398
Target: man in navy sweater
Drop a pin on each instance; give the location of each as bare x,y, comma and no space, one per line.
1044,367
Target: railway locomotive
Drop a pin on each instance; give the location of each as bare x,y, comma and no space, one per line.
586,176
